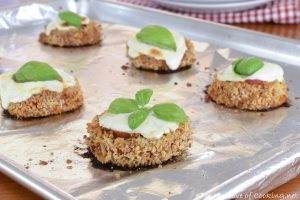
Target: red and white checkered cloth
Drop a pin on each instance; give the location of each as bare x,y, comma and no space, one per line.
277,11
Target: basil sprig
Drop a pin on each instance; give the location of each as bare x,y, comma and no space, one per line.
139,112
169,112
157,36
36,71
143,97
122,105
71,18
247,66
136,118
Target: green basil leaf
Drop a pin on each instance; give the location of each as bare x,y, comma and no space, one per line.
170,112
36,71
142,97
136,118
122,105
71,18
247,66
157,36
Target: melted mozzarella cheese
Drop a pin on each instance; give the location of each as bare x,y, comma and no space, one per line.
269,72
152,127
62,26
172,58
13,92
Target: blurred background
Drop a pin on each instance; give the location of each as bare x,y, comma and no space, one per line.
279,17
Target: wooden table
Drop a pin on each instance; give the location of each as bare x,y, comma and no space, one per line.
10,190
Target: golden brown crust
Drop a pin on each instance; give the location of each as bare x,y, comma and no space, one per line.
249,95
48,103
149,63
89,34
121,149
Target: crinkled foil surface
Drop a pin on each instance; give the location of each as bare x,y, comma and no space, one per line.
233,151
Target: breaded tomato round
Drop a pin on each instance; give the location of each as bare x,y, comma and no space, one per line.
133,150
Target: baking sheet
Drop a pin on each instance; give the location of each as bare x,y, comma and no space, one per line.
233,152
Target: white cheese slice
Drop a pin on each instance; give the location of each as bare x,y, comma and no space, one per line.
60,25
172,58
269,72
13,92
151,128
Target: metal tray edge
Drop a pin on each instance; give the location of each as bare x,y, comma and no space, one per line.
289,157
30,181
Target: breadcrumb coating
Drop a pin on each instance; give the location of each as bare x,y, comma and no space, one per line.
149,63
133,150
89,34
253,95
48,103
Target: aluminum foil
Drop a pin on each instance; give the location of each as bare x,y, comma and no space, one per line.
233,152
